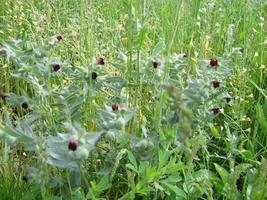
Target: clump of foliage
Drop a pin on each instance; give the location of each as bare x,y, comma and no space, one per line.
85,117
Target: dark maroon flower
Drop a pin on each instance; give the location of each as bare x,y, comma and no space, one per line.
26,178
56,67
156,63
227,99
2,51
216,83
24,105
115,107
94,75
59,37
73,144
214,62
215,110
100,61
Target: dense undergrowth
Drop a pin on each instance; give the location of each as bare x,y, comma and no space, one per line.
140,99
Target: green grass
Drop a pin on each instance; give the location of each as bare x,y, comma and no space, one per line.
169,148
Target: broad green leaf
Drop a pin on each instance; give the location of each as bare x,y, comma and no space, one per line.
151,173
130,166
179,192
117,162
132,159
222,172
104,184
174,178
214,130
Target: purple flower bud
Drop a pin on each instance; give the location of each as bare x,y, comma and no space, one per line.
216,83
100,61
115,107
228,99
94,75
215,110
24,105
214,62
56,67
73,144
26,178
59,37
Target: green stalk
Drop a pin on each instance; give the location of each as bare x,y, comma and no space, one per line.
158,111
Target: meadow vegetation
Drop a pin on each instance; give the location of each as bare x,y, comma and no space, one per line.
133,99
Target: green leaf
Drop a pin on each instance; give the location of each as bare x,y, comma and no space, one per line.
53,198
163,155
179,192
117,162
158,48
104,184
174,178
151,173
222,172
132,159
130,166
241,168
213,130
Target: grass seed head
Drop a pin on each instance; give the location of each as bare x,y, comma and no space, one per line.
3,96
2,51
